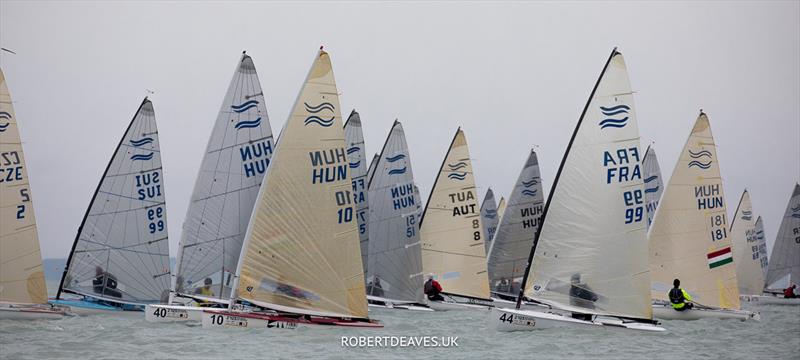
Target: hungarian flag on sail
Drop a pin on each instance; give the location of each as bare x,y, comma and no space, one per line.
720,257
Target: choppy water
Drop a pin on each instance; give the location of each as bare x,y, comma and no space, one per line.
777,336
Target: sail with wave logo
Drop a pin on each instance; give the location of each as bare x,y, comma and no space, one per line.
689,237
123,235
451,230
489,218
784,262
301,253
653,184
745,248
233,166
591,248
761,240
21,275
395,264
508,256
356,155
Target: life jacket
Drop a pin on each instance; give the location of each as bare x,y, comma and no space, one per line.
428,287
788,292
676,298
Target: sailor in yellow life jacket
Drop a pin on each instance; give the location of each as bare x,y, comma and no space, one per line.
205,291
679,298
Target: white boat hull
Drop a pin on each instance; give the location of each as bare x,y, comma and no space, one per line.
769,300
529,320
456,302
666,312
20,312
214,319
161,313
383,303
526,305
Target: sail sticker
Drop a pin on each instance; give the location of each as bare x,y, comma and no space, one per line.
699,154
720,257
5,115
142,157
460,176
395,158
319,121
699,164
529,192
457,166
244,124
530,183
244,106
355,165
315,109
609,121
352,150
747,215
3,127
314,119
141,142
398,171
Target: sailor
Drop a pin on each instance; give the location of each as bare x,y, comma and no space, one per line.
433,289
788,293
204,291
105,283
581,295
375,288
679,298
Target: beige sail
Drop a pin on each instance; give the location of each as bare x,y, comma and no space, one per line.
689,237
301,251
21,276
451,231
746,254
501,209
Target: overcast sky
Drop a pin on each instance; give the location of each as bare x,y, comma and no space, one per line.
512,74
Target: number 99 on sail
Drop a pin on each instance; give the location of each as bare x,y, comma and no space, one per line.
155,215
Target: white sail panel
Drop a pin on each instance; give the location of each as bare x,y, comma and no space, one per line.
356,156
653,184
234,163
784,262
451,230
395,263
489,218
124,232
689,238
745,248
592,248
372,163
514,238
302,250
21,275
501,209
761,240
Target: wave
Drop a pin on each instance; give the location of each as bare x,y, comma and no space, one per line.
247,124
353,149
457,166
142,157
615,109
796,216
319,121
355,165
396,157
315,109
399,171
649,179
746,217
244,106
699,154
745,212
529,192
615,123
141,142
460,176
5,115
3,127
490,216
651,190
699,164
530,183
796,209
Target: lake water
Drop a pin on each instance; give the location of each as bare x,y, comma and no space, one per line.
777,336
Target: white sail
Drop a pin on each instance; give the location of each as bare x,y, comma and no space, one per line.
514,238
356,156
451,230
653,184
395,263
689,238
21,275
761,240
501,209
745,248
591,251
123,235
489,218
784,262
234,163
301,252
372,163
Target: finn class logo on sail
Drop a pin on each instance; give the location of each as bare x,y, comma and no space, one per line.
455,174
394,159
701,159
245,106
527,185
350,152
317,114
5,116
616,116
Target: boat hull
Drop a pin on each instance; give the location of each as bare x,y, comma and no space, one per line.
160,313
456,302
85,308
525,305
30,312
219,319
769,300
665,312
383,303
528,320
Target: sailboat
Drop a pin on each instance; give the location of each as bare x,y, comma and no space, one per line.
489,218
453,248
394,275
690,239
784,263
356,155
236,158
301,261
744,244
501,209
589,256
119,261
23,292
508,256
653,184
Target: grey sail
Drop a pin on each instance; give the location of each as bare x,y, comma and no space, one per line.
371,168
784,263
761,241
233,166
123,235
513,240
653,184
356,156
489,217
395,263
